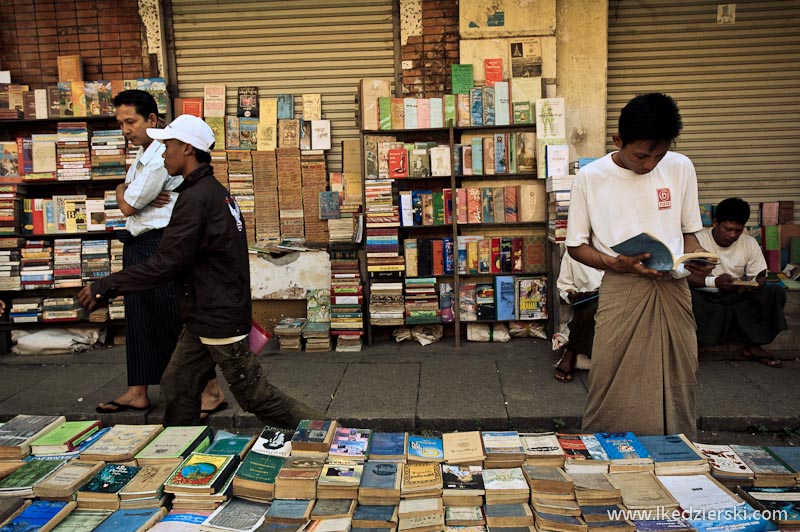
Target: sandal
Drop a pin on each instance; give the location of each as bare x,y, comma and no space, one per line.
565,366
764,357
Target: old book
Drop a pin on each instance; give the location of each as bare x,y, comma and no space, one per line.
288,133
532,203
298,478
461,482
231,444
505,485
421,479
214,101
642,490
420,507
121,443
312,107
548,480
285,107
674,455
20,483
388,446
106,485
767,470
425,449
624,449
699,491
350,444
201,473
313,435
371,91
463,516
174,444
274,442
238,515
462,78
781,502
17,434
378,516
70,68
247,102
131,520
508,515
380,483
148,482
339,479
41,516
64,437
288,511
320,134
787,456
463,447
661,258
559,523
255,478
542,449
333,509
65,481
83,520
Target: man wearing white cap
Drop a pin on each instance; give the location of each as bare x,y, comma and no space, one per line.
204,251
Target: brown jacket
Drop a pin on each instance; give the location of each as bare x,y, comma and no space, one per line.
204,250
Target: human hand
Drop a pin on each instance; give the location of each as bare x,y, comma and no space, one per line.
635,265
2,306
162,199
86,299
701,268
725,283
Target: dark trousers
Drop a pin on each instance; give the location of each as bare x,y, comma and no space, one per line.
581,327
193,362
753,317
151,317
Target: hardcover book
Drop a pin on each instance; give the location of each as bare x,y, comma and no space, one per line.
64,437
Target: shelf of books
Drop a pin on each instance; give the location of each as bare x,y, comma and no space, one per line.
455,215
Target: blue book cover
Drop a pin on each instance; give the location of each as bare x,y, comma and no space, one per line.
248,133
289,509
126,520
500,154
416,205
374,513
774,501
622,445
34,517
744,520
184,516
428,449
387,444
790,456
488,106
410,113
504,295
285,106
661,525
477,156
448,255
669,448
476,106
380,475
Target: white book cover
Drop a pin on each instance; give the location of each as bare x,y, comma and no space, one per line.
437,113
557,160
214,100
551,121
502,104
699,491
320,134
440,160
410,111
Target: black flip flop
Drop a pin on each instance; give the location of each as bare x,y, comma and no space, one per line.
119,407
219,408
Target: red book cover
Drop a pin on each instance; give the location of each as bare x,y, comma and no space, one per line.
192,106
517,244
493,70
437,252
511,194
448,205
462,205
496,266
474,206
398,163
38,217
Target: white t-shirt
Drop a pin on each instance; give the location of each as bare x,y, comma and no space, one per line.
577,276
610,204
146,178
741,258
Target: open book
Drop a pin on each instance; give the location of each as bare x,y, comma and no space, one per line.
661,257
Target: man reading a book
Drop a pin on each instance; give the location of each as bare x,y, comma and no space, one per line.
204,251
644,355
734,303
577,285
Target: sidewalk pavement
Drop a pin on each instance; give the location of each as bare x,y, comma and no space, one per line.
409,387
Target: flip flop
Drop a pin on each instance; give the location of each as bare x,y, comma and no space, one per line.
119,407
219,408
768,360
563,376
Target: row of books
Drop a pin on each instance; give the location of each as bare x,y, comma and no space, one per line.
76,98
476,255
242,133
499,103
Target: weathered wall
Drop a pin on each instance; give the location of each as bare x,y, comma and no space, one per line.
289,276
428,45
107,34
582,51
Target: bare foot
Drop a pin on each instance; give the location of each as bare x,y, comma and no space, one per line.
565,366
212,399
134,399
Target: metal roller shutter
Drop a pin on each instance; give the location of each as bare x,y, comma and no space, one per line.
738,87
285,47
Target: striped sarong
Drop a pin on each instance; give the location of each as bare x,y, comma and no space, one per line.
644,358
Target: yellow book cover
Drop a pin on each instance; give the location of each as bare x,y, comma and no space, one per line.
78,98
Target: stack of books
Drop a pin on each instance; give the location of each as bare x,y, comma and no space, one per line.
386,303
67,263
317,337
95,262
26,310
116,308
10,199
558,196
289,331
347,319
73,156
9,264
114,218
36,269
108,154
348,343
115,256
421,301
62,309
102,491
201,481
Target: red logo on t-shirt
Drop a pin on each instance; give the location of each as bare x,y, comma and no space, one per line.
664,199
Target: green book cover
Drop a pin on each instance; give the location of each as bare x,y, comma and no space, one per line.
111,479
462,78
438,208
30,473
83,520
67,434
450,114
260,467
177,442
232,445
772,240
385,113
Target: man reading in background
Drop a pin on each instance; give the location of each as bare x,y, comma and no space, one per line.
725,309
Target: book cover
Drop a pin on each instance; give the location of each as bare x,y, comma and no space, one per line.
258,467
504,292
233,444
247,102
622,445
232,132
29,474
39,515
350,443
238,514
217,125
157,87
437,112
387,444
78,98
423,113
285,107
64,437
424,448
121,442
463,110
385,113
669,448
381,475
328,205
176,442
410,113
131,520
502,104
24,428
487,106
111,479
305,135
320,134
461,78
200,471
450,113
493,70
214,101
312,433
312,107
476,107
477,156
248,133
288,133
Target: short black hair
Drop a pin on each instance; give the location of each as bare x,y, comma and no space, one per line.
142,101
732,210
202,156
651,117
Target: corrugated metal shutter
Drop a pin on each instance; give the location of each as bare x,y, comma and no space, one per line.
737,85
286,47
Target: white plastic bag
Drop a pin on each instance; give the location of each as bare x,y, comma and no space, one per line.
424,334
487,332
53,341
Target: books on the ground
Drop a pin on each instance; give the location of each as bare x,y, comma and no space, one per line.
313,435
425,449
255,477
379,516
121,443
781,502
104,487
333,509
641,490
548,480
237,515
173,444
39,515
463,447
674,454
20,483
661,257
230,444
388,446
699,491
65,481
288,511
17,434
273,442
724,461
64,437
350,444
542,448
83,520
625,451
201,473
147,483
127,520
767,470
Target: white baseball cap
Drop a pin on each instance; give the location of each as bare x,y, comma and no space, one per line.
186,128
